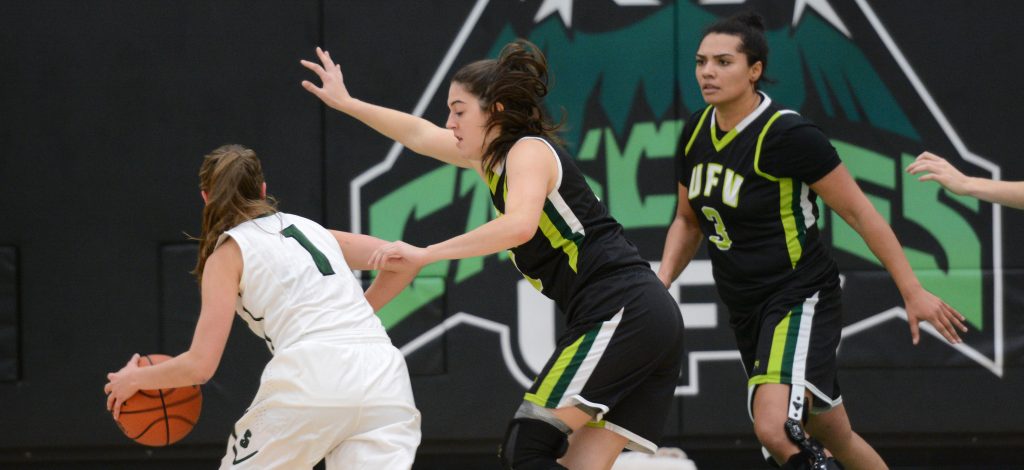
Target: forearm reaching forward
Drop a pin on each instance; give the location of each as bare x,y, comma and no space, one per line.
418,134
390,280
936,168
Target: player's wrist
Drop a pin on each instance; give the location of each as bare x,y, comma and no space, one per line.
911,292
432,254
345,103
962,186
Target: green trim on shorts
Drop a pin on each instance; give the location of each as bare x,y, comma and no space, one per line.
780,358
550,391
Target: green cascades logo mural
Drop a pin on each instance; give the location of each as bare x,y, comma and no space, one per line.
626,88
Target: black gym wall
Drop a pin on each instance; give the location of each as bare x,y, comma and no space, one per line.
108,106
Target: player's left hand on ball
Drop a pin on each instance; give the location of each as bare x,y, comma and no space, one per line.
119,388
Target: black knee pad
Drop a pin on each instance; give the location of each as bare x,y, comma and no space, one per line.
805,460
531,444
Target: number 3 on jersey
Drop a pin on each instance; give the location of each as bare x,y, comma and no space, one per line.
322,263
721,237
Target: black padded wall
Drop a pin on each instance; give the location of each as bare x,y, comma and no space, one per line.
107,107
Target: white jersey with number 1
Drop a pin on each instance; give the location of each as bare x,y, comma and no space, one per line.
336,388
296,283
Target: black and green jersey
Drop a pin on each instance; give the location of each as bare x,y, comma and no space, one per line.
577,240
749,189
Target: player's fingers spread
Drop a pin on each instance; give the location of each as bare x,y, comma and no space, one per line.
310,87
956,317
946,329
954,324
947,319
959,325
315,67
927,166
952,336
921,167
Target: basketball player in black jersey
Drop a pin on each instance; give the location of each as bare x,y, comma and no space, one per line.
748,178
617,364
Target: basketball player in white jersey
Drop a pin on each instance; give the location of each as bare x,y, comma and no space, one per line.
336,389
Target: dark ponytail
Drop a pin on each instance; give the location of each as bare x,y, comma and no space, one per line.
517,81
749,27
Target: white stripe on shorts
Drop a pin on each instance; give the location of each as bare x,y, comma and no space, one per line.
570,396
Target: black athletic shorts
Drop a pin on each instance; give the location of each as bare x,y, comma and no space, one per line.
793,340
626,367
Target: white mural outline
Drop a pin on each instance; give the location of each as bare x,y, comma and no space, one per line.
696,358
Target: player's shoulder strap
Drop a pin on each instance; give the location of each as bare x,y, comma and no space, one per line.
696,129
787,123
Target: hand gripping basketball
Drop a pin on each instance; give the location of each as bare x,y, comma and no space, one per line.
158,417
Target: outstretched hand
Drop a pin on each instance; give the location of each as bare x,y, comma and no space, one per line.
939,170
925,306
333,92
120,387
398,252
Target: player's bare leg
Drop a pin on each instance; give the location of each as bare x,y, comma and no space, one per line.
833,429
770,408
589,448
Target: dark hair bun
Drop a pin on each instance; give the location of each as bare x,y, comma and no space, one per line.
751,19
525,65
523,56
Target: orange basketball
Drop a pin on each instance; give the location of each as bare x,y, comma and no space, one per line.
160,417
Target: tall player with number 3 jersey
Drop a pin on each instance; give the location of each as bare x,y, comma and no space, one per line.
749,177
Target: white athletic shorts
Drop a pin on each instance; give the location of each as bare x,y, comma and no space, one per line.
349,404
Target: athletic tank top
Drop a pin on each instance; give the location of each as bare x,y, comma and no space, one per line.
296,284
577,240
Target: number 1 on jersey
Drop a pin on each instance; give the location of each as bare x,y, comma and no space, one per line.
721,237
322,263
